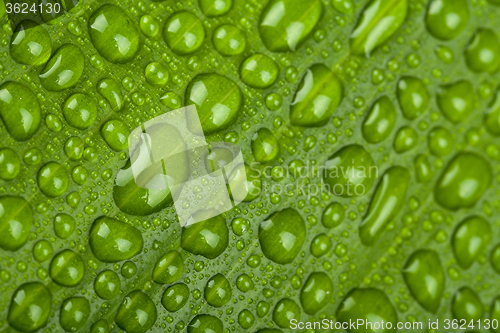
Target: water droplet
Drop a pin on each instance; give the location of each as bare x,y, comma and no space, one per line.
386,202
80,111
470,239
218,291
135,200
413,97
204,324
285,24
208,238
74,148
318,95
492,116
463,181
42,251
282,235
333,215
467,305
149,25
114,34
115,132
440,141
19,110
265,146
137,313
285,311
30,44
168,268
343,6
100,326
211,8
320,245
67,268
445,19
129,269
422,166
30,307
316,292
456,100
107,284
240,226
64,225
424,276
445,54
75,312
379,121
53,179
244,283
111,91
218,101
10,164
349,171
483,52
64,69
229,40
112,240
259,71
184,33
368,304
406,139
175,297
380,19
156,74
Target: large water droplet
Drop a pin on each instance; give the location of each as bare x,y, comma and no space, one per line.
184,32
379,121
413,97
386,202
218,291
282,235
30,44
456,100
369,304
218,101
112,240
467,305
168,268
316,292
19,110
16,218
285,311
318,95
463,181
30,307
204,324
285,24
424,276
470,239
379,20
75,312
350,171
259,71
483,52
67,268
445,19
137,313
114,34
208,238
64,69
